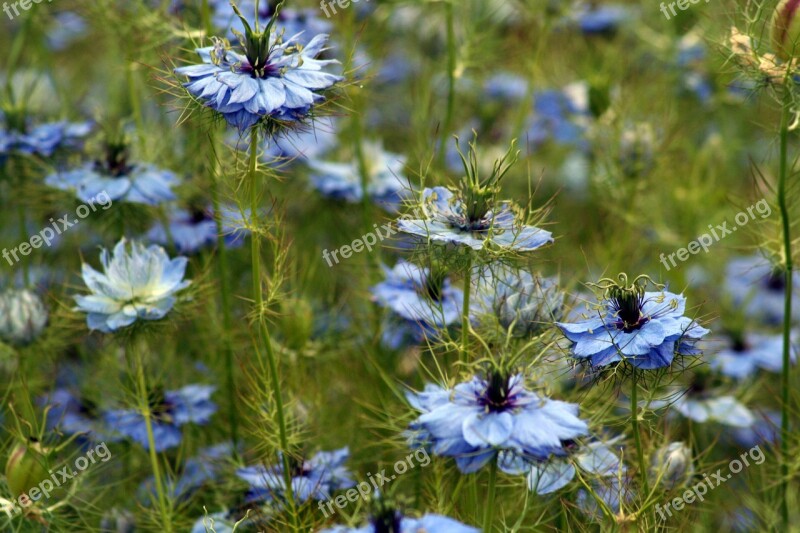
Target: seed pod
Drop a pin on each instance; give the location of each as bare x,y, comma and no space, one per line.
673,464
26,468
23,316
786,30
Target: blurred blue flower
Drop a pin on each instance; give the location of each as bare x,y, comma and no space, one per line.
612,490
759,288
396,522
423,302
447,221
197,471
704,405
136,283
190,232
506,86
313,478
560,116
67,27
643,328
592,18
41,139
139,183
741,358
170,411
305,143
477,419
274,79
72,414
342,181
765,429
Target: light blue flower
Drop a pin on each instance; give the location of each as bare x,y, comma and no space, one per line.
645,329
190,232
759,288
42,139
704,405
170,411
743,358
137,283
315,478
447,220
386,184
560,116
139,183
598,19
480,418
430,523
274,79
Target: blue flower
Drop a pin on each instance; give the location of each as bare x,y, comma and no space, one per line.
560,116
424,303
506,86
612,490
136,283
273,80
72,414
396,522
190,232
594,19
342,181
305,143
41,139
645,329
765,429
196,472
484,416
139,183
170,411
314,478
759,288
68,27
448,220
703,405
741,358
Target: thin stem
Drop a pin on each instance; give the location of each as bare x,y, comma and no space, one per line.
787,311
488,517
451,81
465,310
144,406
26,275
637,436
258,301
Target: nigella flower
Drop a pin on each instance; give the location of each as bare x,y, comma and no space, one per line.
423,300
744,354
18,135
188,231
137,283
273,80
391,520
195,472
313,478
342,181
645,329
703,403
170,411
593,19
593,459
522,302
614,491
759,287
506,86
672,465
72,414
560,116
477,419
765,429
23,316
118,177
302,22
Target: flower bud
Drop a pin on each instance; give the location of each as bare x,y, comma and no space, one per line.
786,30
528,303
672,464
22,316
26,468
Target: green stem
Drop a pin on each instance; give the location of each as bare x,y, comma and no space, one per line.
23,232
144,406
488,516
787,312
258,302
637,436
225,296
465,310
451,82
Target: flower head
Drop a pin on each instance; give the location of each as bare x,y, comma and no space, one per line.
759,288
313,478
272,80
23,316
743,355
645,329
170,410
137,283
189,231
477,419
18,135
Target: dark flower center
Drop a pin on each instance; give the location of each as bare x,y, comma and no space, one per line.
87,408
387,520
496,396
627,304
298,467
116,160
198,215
776,281
433,285
160,408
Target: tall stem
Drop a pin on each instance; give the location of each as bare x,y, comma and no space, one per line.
488,517
636,435
258,301
144,406
787,311
465,310
451,81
